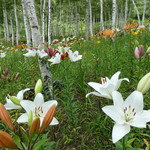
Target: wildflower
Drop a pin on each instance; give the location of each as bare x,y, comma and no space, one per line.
38,108
55,59
144,84
5,117
2,55
6,140
74,56
107,86
11,105
139,52
126,113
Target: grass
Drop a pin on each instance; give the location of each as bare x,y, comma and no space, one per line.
82,124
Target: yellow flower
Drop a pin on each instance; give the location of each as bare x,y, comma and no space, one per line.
135,33
98,42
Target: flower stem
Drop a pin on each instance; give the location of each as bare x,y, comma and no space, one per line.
123,144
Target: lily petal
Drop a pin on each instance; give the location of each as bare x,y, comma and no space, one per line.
38,100
119,131
119,83
54,121
10,106
20,93
94,93
95,86
135,100
23,118
117,99
114,113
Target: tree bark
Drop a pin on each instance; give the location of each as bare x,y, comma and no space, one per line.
91,22
126,12
43,64
12,30
114,11
101,16
49,21
87,19
144,10
43,22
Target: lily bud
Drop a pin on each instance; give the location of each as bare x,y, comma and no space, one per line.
35,126
6,140
5,117
139,52
30,118
48,118
144,83
6,72
148,50
38,87
17,76
15,100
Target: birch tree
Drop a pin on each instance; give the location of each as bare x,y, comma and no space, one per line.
91,22
6,29
43,65
12,30
137,12
17,25
43,22
87,19
101,16
126,11
144,10
114,11
49,21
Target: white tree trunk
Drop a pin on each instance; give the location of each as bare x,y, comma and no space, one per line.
91,22
126,11
12,30
44,68
144,10
17,25
137,12
114,11
27,27
49,21
43,22
101,16
87,19
6,34
77,20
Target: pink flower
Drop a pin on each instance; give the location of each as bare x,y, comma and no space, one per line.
139,51
51,52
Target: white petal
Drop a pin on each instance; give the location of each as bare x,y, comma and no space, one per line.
30,53
138,121
23,118
94,93
114,113
39,100
28,105
105,92
135,100
41,53
20,93
10,106
119,83
146,115
117,99
119,131
46,106
95,86
54,121
114,78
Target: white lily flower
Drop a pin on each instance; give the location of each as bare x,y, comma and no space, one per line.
107,86
127,113
63,50
2,55
74,56
10,105
38,107
32,53
55,59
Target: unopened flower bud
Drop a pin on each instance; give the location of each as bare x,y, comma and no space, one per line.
144,84
38,87
15,100
35,126
5,117
6,140
17,76
148,50
48,118
6,72
30,118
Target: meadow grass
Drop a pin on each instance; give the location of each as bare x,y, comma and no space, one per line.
82,124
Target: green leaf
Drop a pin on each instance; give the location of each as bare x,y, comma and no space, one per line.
39,144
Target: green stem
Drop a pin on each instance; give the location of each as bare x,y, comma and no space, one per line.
123,144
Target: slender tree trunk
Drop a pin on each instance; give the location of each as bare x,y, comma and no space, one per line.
144,10
6,29
114,12
12,30
44,68
17,25
77,20
101,16
91,22
126,11
137,12
43,22
49,21
26,24
87,19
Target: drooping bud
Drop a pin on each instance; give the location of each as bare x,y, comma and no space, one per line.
6,72
48,118
144,83
15,100
6,140
30,118
141,50
35,126
5,117
38,87
136,52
